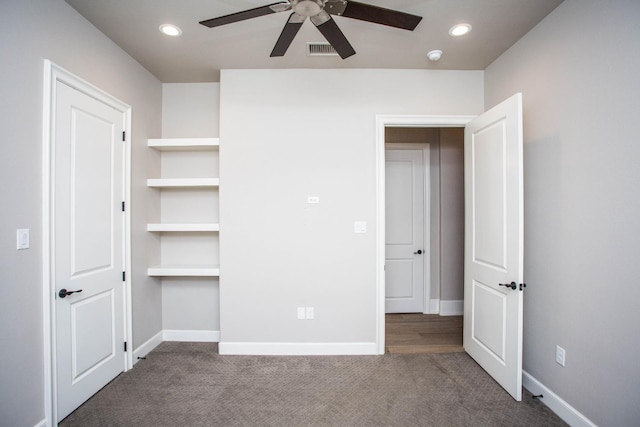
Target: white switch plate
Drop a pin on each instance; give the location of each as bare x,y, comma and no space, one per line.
360,227
310,313
302,314
560,355
313,199
23,238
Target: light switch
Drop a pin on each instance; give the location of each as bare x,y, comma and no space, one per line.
313,199
360,227
23,238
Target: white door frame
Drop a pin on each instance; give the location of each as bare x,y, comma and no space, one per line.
53,74
383,121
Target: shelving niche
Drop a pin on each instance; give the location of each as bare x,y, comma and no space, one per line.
189,225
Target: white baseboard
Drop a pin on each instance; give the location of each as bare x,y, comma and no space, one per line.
190,336
433,306
145,348
297,349
566,412
174,335
42,423
451,307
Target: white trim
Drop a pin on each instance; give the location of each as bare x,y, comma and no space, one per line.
297,349
53,73
128,296
566,412
383,121
433,306
42,423
190,336
418,121
48,333
451,307
146,348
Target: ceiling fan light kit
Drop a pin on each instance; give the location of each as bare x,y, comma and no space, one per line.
319,13
307,8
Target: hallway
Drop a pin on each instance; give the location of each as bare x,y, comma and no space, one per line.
423,333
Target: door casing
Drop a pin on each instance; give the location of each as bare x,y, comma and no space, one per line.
382,122
52,74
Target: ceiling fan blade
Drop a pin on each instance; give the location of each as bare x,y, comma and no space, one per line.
287,35
370,13
333,34
247,14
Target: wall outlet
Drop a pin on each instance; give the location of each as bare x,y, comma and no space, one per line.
305,313
560,355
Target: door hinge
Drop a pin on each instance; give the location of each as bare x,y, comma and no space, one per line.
122,206
124,136
124,276
125,346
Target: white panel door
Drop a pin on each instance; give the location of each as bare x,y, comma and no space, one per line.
404,208
494,243
88,246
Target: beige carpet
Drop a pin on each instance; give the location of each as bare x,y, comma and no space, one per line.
189,384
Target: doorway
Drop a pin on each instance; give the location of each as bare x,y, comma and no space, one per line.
443,294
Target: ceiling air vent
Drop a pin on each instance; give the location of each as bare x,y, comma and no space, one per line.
320,49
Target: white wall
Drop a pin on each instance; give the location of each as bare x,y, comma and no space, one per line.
578,71
289,134
190,110
31,31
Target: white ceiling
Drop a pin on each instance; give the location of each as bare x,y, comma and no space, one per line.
201,52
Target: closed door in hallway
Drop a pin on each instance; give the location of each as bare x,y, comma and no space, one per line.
405,217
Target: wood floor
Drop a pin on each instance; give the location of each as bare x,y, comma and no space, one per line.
423,333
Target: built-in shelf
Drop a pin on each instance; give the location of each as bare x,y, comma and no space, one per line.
184,144
184,271
183,182
170,149
183,227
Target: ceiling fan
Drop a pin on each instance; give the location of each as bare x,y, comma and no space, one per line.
320,11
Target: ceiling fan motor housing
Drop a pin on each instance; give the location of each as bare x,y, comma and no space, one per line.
307,7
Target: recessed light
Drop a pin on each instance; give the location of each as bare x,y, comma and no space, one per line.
459,30
170,30
434,55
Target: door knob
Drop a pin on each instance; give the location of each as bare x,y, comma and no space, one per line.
511,285
63,292
418,252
